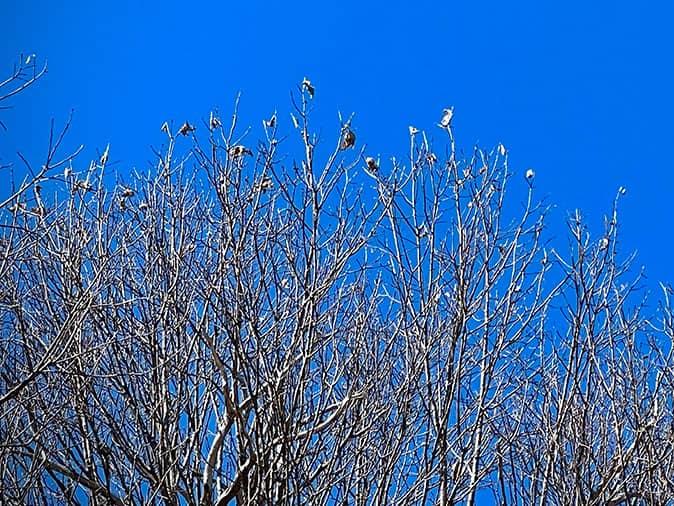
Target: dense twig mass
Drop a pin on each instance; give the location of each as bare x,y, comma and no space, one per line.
251,330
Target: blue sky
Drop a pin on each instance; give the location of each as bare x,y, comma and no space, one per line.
580,92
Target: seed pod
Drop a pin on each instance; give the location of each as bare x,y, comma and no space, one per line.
348,139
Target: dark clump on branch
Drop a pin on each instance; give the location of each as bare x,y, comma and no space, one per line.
186,128
348,139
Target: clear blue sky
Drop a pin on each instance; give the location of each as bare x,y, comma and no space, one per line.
580,91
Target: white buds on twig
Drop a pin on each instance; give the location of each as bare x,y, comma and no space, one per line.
530,174
447,115
214,122
271,122
104,157
308,87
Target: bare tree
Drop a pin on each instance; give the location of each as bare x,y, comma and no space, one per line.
241,326
594,425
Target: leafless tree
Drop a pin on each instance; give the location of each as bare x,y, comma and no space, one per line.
594,424
240,325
